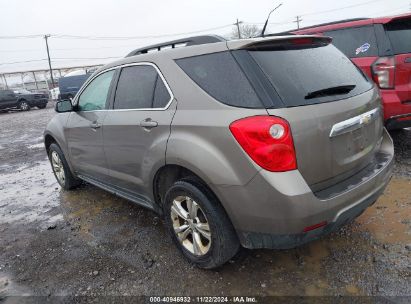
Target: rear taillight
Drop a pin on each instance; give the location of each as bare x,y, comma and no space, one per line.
267,140
383,71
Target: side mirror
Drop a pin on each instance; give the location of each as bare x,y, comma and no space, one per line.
63,106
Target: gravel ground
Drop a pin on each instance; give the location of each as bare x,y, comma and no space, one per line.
89,242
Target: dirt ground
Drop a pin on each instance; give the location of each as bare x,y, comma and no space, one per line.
89,242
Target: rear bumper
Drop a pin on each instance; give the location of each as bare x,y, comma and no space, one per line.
399,122
273,209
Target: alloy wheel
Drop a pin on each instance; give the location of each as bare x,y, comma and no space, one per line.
24,106
191,225
58,167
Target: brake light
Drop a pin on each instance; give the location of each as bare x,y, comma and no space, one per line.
267,140
383,70
302,41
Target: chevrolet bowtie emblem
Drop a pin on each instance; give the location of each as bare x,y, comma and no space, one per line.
366,119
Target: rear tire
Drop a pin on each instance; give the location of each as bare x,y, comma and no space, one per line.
24,105
205,236
42,106
61,169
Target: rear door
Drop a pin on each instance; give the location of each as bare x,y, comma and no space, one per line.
137,128
399,34
359,44
333,110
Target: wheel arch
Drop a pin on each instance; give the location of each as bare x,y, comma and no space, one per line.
168,174
50,138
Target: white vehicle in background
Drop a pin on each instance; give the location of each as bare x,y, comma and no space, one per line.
54,93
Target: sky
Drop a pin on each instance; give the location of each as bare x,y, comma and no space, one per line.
106,30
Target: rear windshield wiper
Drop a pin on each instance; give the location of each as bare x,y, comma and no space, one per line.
344,89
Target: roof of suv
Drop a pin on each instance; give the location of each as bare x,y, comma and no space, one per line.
349,23
200,48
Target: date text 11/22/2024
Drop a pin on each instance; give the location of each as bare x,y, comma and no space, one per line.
203,299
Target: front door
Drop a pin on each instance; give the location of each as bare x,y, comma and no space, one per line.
136,130
84,128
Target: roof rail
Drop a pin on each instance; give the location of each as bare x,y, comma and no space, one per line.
196,40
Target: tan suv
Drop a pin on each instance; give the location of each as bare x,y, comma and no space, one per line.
263,143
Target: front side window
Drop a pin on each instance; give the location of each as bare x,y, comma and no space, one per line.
95,95
355,42
140,87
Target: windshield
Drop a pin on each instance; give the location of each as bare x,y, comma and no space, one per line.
297,73
399,33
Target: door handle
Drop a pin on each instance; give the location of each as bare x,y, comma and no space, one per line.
148,124
95,125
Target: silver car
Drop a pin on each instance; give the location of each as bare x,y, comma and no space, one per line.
261,143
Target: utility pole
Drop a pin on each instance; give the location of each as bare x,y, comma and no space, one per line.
48,57
298,20
238,28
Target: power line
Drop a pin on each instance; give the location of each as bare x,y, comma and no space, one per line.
64,36
61,58
56,36
21,37
71,49
26,61
340,8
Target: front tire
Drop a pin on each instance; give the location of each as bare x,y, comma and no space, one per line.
199,225
24,105
61,169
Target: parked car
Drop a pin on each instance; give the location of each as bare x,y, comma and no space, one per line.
22,100
27,99
69,85
263,143
381,47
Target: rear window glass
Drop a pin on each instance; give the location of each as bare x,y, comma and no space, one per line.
355,42
220,76
399,33
300,75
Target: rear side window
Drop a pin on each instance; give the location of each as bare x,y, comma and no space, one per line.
161,95
355,42
399,33
220,76
311,75
135,88
140,87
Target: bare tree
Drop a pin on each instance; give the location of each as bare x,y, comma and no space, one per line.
246,31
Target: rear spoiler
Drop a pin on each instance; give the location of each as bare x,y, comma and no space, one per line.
279,42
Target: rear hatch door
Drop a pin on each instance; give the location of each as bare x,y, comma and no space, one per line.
334,111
